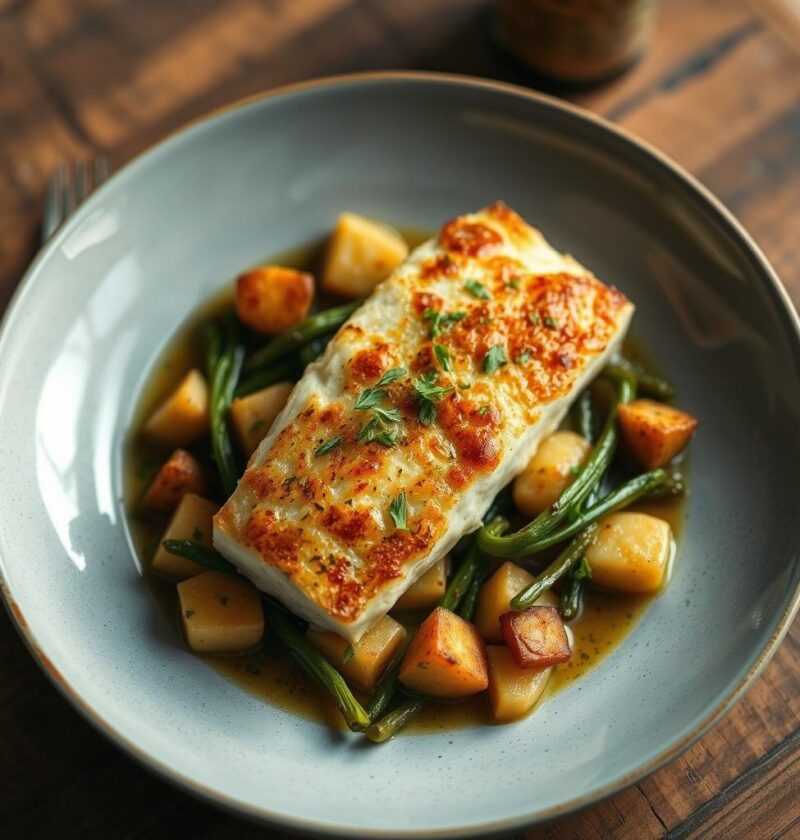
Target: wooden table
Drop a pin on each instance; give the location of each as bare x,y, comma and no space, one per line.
719,91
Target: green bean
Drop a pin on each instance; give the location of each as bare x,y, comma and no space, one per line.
556,570
461,580
674,485
385,690
279,372
224,359
389,725
584,416
315,663
647,383
590,475
572,596
620,497
284,627
308,329
467,608
201,554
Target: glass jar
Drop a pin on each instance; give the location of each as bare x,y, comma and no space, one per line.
578,41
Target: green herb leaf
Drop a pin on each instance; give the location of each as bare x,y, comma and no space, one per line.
427,412
464,386
533,317
484,410
514,282
398,510
443,357
425,386
369,398
387,415
328,446
550,322
441,322
390,376
349,653
388,437
523,358
583,569
494,359
477,289
368,430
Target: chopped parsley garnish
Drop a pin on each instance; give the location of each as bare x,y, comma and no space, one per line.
523,358
533,317
368,430
398,510
514,283
349,653
583,570
428,394
388,437
484,410
464,386
494,359
477,289
390,376
550,322
387,415
444,357
370,397
441,322
328,446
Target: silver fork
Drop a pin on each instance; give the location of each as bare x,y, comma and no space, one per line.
68,187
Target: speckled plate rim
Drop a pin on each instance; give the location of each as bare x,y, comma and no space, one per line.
274,819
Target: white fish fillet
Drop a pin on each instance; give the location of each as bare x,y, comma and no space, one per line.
529,328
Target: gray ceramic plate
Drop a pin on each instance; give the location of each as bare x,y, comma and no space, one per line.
105,295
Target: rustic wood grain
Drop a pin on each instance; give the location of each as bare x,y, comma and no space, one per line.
719,90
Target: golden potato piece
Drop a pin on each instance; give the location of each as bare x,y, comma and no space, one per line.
536,637
550,471
631,552
360,254
221,613
446,658
653,432
272,299
191,521
252,416
361,662
183,416
181,473
427,591
495,597
513,691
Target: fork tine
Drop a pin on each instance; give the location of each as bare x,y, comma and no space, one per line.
55,201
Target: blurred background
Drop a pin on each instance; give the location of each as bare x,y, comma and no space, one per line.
715,84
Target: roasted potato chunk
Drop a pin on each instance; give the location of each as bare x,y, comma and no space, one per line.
513,691
631,552
495,599
427,591
361,662
180,474
191,521
252,416
550,471
536,637
446,658
183,416
360,254
272,299
653,432
221,613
